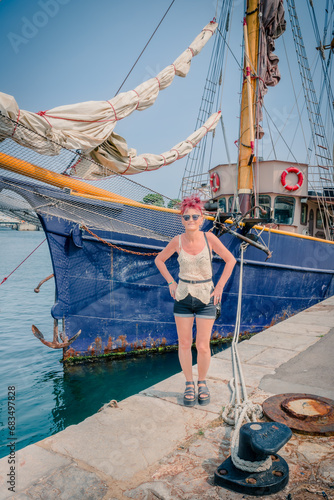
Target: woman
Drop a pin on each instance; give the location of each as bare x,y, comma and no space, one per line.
195,293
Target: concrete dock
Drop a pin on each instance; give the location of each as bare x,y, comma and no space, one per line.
150,446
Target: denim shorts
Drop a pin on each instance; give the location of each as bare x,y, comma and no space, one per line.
187,307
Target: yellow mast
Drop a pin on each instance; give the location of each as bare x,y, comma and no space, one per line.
248,103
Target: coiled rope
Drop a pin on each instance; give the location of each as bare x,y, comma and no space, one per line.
240,409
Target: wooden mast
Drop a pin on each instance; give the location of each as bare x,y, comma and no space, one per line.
248,102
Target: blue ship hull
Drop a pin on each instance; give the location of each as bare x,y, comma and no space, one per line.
121,303
119,300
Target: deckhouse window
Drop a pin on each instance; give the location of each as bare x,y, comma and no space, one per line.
222,204
264,202
303,214
284,209
230,204
319,220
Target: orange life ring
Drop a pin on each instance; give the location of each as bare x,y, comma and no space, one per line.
293,170
214,182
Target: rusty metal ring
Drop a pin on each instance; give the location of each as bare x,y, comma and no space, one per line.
306,413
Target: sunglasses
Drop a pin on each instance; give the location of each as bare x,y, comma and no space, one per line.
193,217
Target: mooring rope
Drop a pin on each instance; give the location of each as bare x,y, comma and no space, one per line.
240,409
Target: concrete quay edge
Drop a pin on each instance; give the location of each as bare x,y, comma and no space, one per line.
117,452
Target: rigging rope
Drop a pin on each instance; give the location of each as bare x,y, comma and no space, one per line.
194,175
238,411
271,138
154,32
296,103
6,278
327,82
229,48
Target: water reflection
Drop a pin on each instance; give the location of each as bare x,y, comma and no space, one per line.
49,396
83,389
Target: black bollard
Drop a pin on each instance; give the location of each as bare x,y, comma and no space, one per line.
257,441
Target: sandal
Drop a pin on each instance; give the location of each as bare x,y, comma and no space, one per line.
203,393
189,394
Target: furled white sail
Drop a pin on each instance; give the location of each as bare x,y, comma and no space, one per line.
115,156
89,126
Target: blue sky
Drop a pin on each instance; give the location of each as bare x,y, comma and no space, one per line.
57,52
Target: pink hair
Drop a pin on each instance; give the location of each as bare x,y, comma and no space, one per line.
192,201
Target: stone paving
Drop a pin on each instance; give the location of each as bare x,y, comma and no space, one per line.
188,472
150,446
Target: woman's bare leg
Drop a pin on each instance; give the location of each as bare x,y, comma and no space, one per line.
184,328
203,335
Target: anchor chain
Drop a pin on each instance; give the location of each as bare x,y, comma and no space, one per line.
117,247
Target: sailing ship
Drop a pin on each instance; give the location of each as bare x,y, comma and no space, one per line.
103,229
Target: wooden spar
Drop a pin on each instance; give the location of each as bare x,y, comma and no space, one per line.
77,187
62,181
249,89
246,141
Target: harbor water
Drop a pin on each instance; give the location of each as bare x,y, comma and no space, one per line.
49,396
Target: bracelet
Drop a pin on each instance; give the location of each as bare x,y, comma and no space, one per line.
171,282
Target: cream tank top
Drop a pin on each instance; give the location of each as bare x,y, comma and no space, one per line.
195,268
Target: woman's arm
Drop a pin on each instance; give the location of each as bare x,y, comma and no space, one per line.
230,262
160,260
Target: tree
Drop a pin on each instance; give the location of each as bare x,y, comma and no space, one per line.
154,199
173,203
